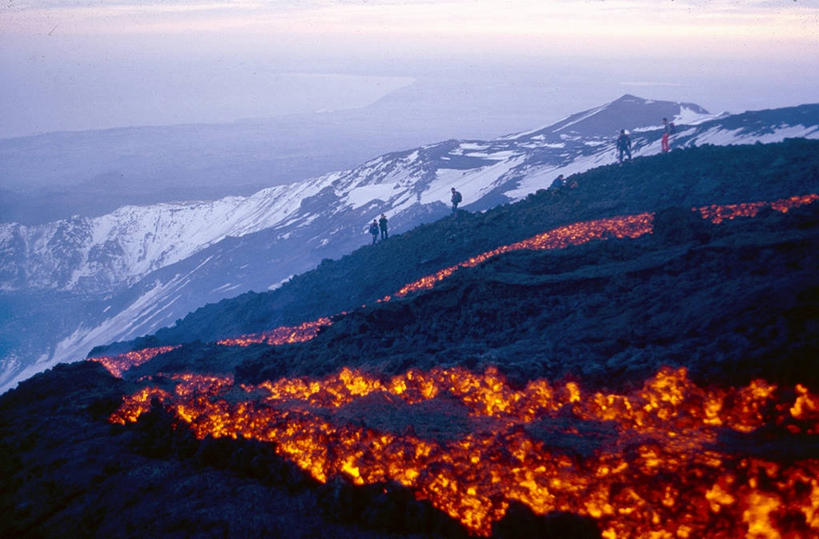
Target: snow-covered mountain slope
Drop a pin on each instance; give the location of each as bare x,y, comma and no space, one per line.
628,112
100,254
154,264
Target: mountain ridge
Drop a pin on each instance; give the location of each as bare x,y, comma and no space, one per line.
360,269
630,366
460,155
411,186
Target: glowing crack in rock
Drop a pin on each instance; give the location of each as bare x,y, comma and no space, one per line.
661,469
120,363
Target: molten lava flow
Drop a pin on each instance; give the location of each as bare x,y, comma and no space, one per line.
628,226
648,463
281,335
118,364
717,213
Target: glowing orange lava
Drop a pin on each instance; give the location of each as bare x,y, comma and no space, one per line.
650,462
120,363
654,462
628,226
281,335
717,213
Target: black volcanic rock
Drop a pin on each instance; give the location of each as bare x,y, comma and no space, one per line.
681,179
65,469
388,507
731,302
520,522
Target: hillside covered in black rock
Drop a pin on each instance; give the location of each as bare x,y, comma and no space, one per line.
729,302
684,178
65,470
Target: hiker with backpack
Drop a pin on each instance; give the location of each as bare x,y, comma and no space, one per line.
623,145
668,129
382,224
456,199
374,231
558,182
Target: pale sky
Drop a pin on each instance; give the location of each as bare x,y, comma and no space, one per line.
730,26
58,52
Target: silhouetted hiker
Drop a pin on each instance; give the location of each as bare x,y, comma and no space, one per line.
456,199
668,129
374,230
558,182
623,145
382,224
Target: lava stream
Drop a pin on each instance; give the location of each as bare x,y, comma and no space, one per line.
648,463
628,226
120,363
281,335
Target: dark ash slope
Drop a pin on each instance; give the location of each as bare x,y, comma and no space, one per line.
683,178
731,302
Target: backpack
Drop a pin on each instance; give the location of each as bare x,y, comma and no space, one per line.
671,128
456,197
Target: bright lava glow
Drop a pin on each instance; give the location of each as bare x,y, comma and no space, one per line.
281,335
660,470
657,461
628,226
118,364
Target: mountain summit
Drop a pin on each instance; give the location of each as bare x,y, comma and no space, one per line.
627,112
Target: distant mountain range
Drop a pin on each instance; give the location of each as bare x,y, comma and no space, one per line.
75,283
57,175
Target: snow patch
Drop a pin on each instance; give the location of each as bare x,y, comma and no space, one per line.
226,287
689,116
473,146
472,183
274,286
363,195
494,156
127,244
543,177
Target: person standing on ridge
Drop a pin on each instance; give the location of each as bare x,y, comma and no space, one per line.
623,145
668,128
374,231
456,199
382,224
558,182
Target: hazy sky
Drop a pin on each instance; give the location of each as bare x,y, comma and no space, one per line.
79,64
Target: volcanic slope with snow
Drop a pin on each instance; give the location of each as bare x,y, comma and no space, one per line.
183,255
99,254
691,177
644,365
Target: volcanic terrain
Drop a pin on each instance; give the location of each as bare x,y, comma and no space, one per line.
633,355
